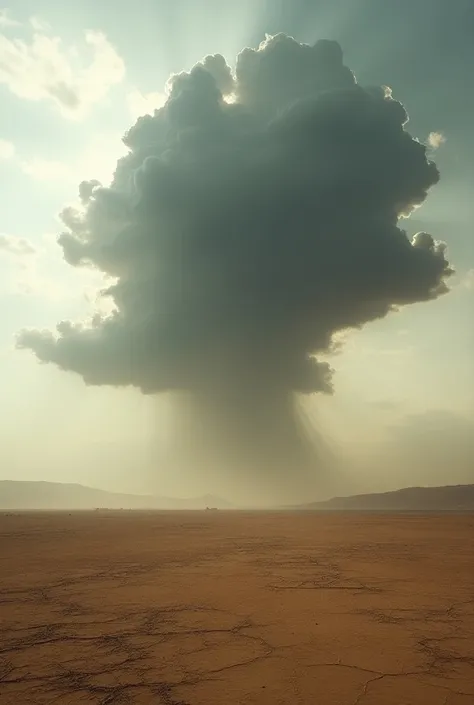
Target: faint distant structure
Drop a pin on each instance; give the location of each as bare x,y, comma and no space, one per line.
211,509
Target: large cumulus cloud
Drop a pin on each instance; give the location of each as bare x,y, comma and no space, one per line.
256,215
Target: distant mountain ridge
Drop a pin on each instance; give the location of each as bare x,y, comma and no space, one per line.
61,496
40,495
447,498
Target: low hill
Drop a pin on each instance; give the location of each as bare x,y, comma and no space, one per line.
449,498
16,495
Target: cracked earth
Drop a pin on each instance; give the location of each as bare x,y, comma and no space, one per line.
117,608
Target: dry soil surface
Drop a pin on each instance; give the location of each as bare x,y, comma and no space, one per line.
220,608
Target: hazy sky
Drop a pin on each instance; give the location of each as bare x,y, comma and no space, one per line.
73,79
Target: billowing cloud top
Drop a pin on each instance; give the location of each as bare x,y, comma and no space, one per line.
254,217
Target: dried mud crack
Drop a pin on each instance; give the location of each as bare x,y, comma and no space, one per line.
236,608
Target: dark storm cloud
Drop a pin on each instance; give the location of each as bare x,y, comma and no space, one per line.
244,234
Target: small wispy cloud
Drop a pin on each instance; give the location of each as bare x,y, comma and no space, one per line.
16,246
39,270
436,139
44,69
39,25
19,263
5,19
7,149
468,280
144,103
463,281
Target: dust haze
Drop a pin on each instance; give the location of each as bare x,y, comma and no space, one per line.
256,215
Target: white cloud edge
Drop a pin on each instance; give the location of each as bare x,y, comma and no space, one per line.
144,103
42,69
436,139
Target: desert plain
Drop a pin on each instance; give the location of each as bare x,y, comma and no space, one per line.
217,608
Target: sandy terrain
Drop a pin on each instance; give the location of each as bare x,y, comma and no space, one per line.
220,608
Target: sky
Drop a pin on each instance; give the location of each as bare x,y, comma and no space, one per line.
72,81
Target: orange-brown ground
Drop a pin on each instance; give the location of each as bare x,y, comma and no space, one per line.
220,608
